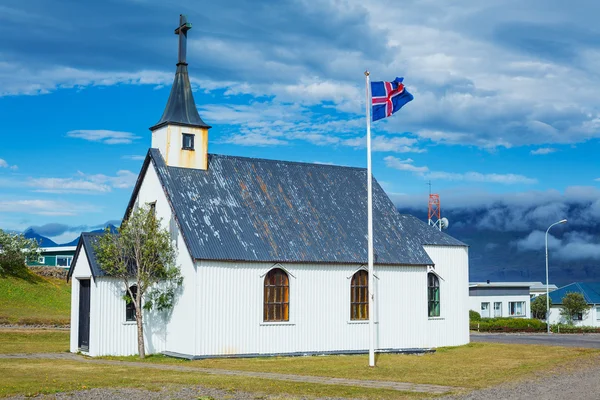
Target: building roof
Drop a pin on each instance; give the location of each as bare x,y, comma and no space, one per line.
249,209
58,249
500,284
87,241
181,108
589,290
426,234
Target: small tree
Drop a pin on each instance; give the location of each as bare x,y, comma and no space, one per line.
573,304
141,253
538,307
15,250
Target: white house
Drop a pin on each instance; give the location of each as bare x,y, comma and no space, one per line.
590,292
273,256
500,299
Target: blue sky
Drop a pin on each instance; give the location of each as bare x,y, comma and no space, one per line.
506,109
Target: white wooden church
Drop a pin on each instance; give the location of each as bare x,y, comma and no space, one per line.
273,255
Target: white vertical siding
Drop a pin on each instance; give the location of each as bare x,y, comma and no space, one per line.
230,310
590,318
110,333
475,304
82,271
452,327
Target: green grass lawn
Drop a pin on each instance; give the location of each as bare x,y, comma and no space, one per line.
33,341
33,300
473,366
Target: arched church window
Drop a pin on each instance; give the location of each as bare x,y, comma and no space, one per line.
277,296
129,306
433,294
359,296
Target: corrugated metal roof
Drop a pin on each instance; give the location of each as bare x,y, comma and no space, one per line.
87,240
590,291
427,234
181,108
278,211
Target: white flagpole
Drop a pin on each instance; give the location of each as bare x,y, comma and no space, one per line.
370,229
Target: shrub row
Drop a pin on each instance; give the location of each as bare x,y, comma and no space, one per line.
562,328
508,325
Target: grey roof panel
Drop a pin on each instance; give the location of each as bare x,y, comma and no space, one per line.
251,209
181,108
87,241
427,234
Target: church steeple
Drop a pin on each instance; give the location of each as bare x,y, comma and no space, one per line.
181,135
181,108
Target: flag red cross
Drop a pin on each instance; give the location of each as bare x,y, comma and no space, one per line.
390,93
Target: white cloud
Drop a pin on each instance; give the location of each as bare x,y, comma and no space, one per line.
543,151
404,165
386,144
407,165
4,164
134,157
573,246
21,79
254,139
597,179
506,179
104,136
45,207
84,183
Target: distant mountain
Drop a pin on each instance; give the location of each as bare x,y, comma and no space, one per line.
41,240
516,253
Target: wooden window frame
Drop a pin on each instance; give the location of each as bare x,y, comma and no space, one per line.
433,295
359,296
191,137
130,313
276,296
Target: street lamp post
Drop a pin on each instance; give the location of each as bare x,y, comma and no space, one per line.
562,221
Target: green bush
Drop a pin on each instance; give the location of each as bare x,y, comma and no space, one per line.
562,328
474,316
508,325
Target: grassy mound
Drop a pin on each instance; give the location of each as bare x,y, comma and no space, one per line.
29,299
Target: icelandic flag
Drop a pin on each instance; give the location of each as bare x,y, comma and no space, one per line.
388,97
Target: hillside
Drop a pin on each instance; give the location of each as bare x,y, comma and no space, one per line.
34,300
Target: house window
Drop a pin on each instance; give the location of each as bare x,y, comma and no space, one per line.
578,316
359,296
188,141
516,308
485,310
598,313
277,296
497,309
433,294
129,306
63,261
41,260
152,209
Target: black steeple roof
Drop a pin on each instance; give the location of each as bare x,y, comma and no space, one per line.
181,108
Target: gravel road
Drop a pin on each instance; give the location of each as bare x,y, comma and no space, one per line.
179,393
580,382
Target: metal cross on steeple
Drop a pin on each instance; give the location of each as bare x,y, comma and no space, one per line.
184,26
